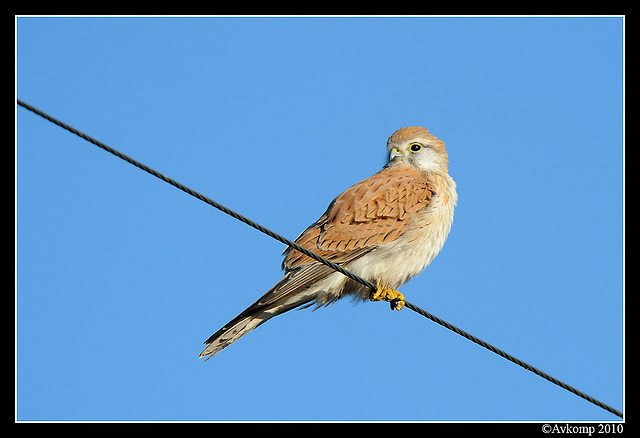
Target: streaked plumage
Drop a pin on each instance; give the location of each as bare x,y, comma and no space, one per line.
386,228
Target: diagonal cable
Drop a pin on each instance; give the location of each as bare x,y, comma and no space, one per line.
320,259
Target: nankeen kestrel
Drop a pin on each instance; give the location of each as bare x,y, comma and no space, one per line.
386,229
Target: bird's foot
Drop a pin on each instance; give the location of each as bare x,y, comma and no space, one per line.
395,298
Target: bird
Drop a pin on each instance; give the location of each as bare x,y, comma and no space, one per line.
386,229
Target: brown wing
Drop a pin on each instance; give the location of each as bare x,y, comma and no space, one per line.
374,211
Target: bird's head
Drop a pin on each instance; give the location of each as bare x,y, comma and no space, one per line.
414,146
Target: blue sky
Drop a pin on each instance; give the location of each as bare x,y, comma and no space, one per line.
121,277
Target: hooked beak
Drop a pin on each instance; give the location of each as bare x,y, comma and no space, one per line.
394,154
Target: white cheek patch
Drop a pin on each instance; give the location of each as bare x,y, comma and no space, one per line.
426,159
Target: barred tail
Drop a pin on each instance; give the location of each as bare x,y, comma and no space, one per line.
232,331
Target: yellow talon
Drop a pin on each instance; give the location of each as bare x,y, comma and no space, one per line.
395,298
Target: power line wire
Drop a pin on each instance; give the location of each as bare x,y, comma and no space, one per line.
320,259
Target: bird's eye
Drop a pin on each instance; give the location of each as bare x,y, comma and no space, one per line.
415,147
